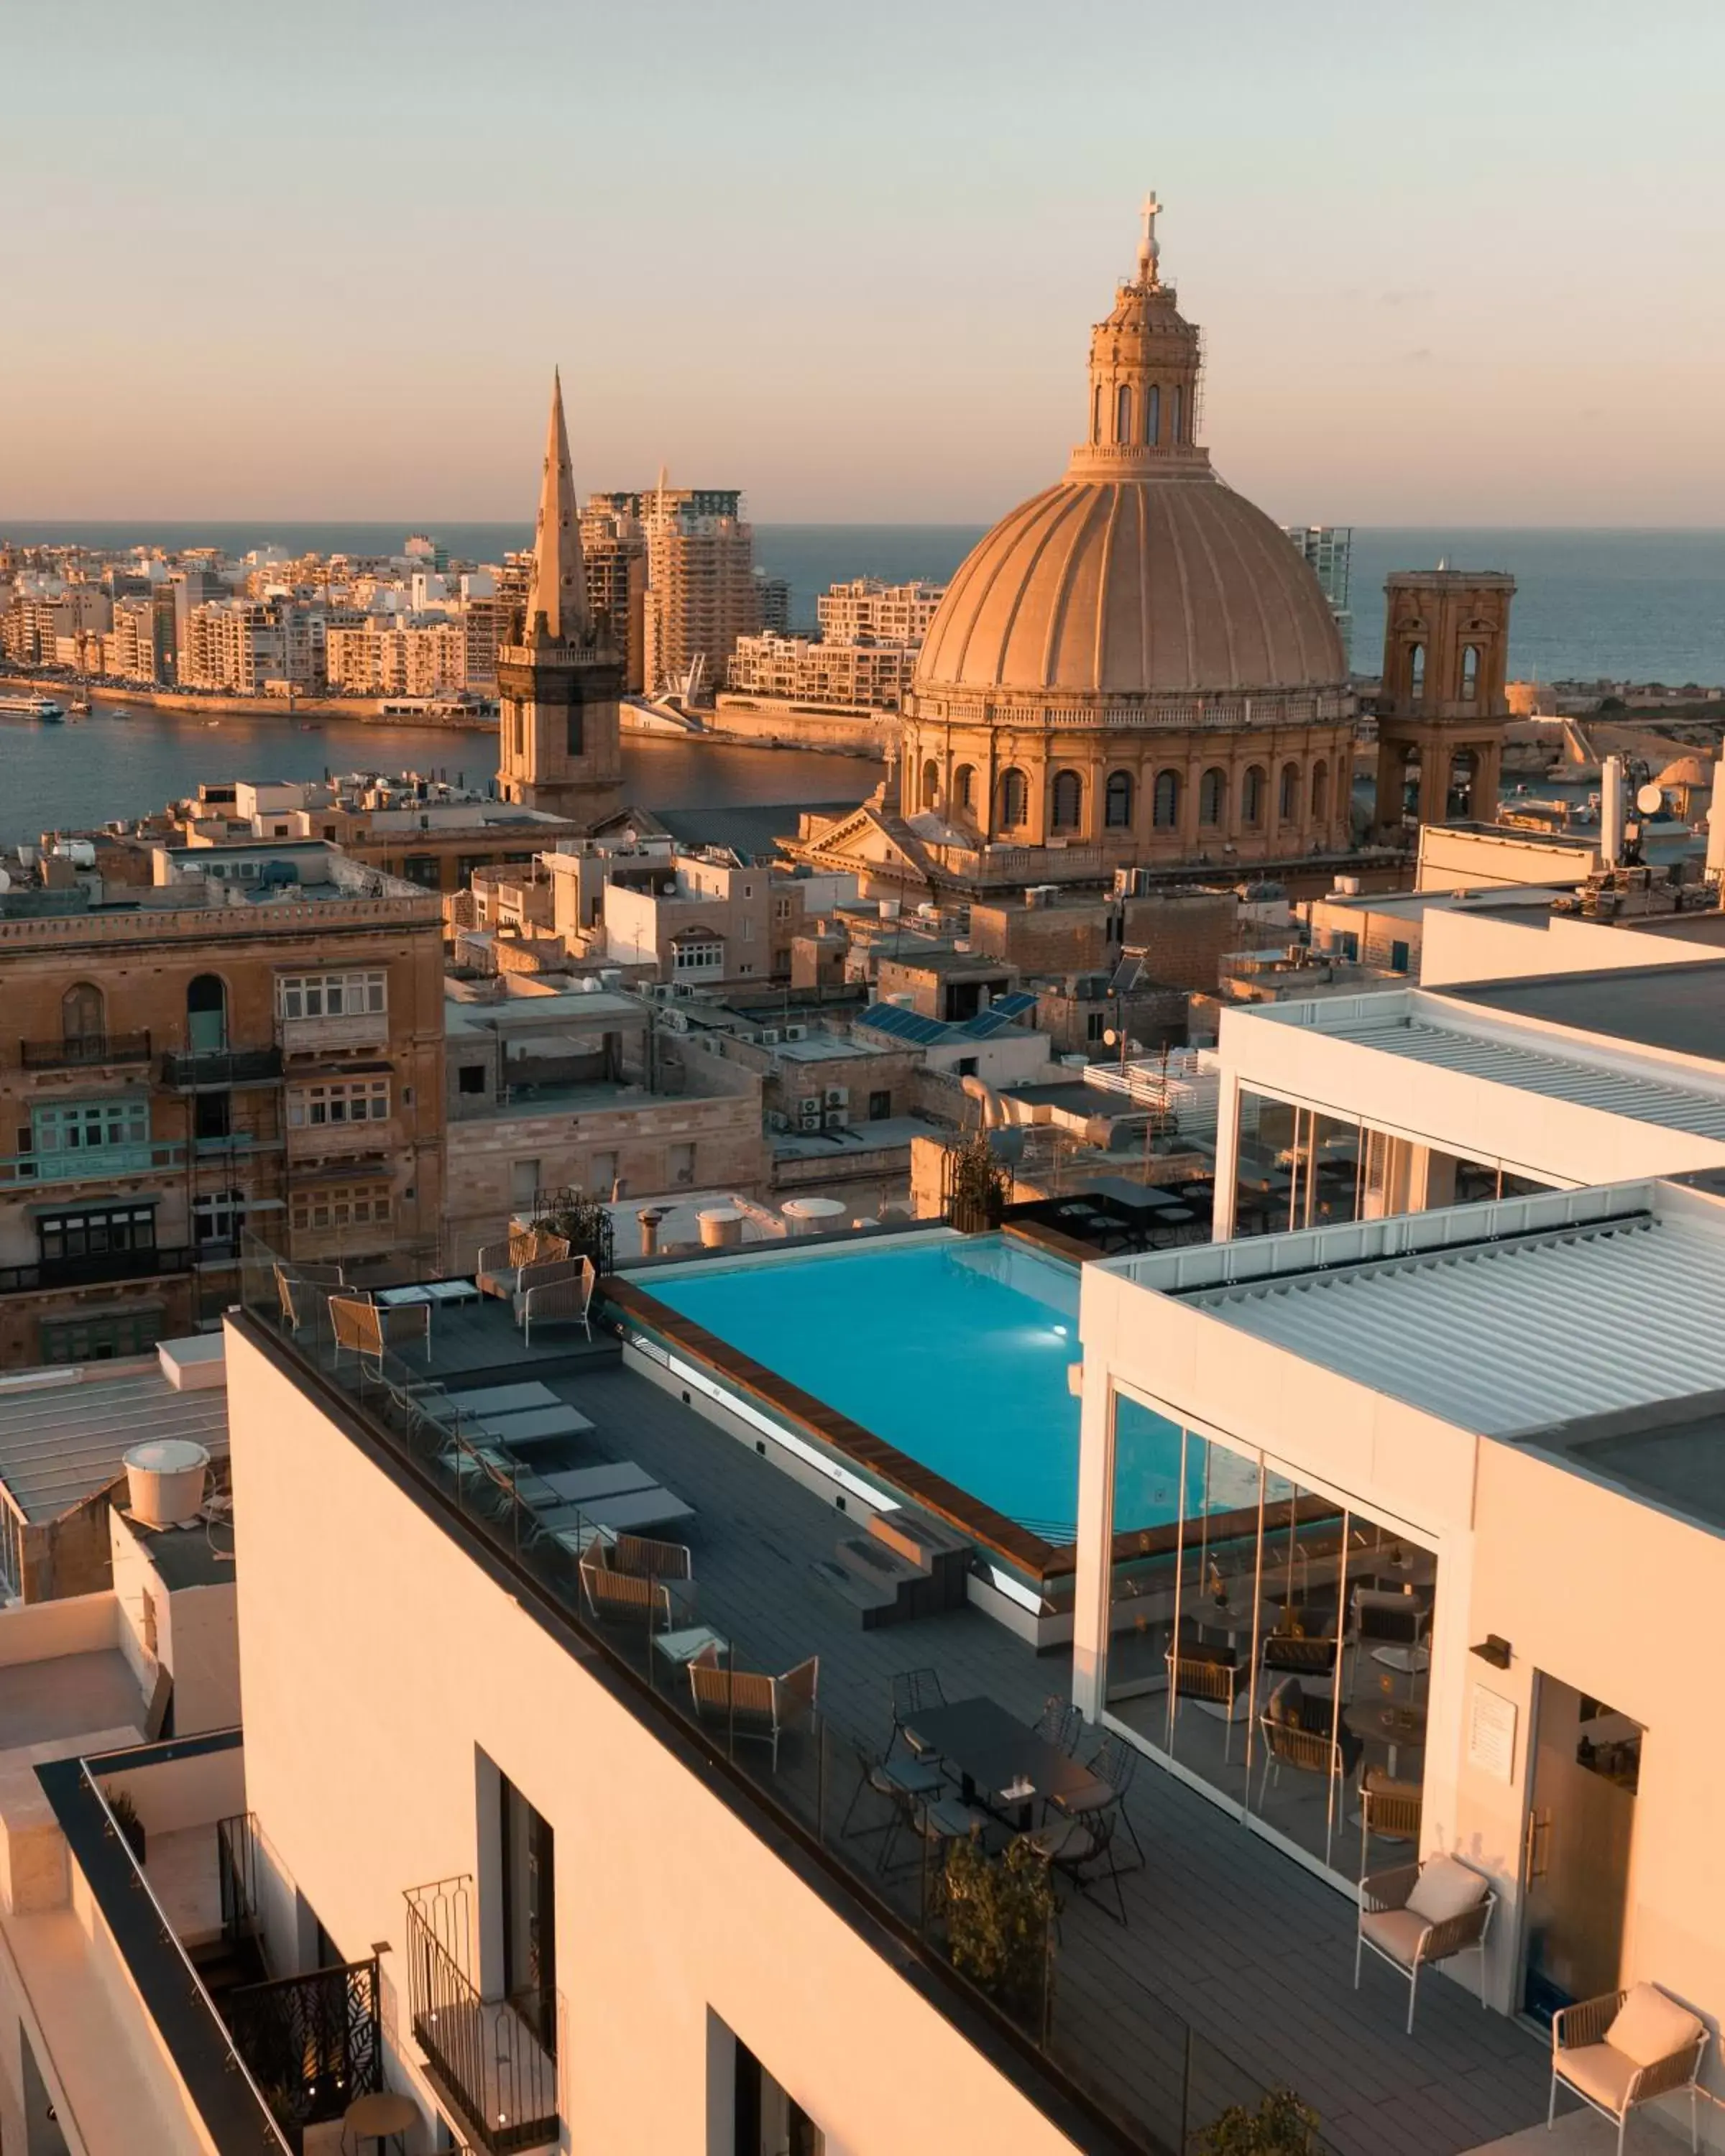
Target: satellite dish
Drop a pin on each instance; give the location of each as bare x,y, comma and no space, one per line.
1650,798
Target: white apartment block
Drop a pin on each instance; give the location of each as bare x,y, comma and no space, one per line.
804,671
129,648
415,656
701,593
865,608
245,644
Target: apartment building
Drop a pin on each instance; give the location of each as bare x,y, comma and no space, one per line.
256,1037
129,649
799,669
35,624
416,655
700,586
555,1083
613,546
710,919
865,610
245,645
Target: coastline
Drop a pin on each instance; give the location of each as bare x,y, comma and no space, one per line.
364,711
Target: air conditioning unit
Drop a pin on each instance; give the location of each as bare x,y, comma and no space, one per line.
769,1038
809,1120
836,1119
796,1033
809,1105
838,1096
778,1120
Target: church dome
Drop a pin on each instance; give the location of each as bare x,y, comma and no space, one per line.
1164,583
1140,575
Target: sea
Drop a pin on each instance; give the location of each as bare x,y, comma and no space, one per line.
1607,605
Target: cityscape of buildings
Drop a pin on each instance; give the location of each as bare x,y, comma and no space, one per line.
985,1474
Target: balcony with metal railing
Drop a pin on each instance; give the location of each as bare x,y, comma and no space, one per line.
94,1269
92,1163
86,1051
192,1070
322,1036
493,2060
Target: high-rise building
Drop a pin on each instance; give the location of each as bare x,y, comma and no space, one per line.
866,608
772,602
560,747
701,592
615,548
1328,551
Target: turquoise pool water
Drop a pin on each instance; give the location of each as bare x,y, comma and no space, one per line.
954,1350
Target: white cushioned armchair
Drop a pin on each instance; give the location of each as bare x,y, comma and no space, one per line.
1420,1914
1625,2048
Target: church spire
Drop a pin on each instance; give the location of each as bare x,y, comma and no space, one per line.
558,594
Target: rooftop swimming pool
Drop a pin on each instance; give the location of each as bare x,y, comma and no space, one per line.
952,1349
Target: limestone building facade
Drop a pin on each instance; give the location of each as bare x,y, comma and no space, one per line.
1135,662
1443,707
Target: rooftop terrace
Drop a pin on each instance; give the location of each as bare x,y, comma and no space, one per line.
1234,1968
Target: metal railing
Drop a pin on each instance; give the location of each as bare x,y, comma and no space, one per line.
84,1052
92,1269
236,1874
313,2043
814,1786
488,2053
220,1066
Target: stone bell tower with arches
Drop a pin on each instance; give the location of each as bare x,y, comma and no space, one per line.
1442,709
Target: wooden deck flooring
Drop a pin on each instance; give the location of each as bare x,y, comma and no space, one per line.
1224,1933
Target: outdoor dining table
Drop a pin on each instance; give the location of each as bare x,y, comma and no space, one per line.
1000,1761
1388,1722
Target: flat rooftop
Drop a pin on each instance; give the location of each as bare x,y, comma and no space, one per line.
64,1434
1681,1013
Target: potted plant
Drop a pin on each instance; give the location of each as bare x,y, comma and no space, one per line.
125,1814
1281,2126
976,1186
584,1224
999,1913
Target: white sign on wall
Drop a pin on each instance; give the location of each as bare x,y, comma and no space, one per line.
1491,1734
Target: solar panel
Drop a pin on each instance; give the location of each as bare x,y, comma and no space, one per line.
1014,1004
904,1024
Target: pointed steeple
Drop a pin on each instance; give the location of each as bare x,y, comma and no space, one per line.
558,590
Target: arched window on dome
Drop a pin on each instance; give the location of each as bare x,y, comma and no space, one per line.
1096,414
1213,797
1253,788
1014,798
1066,801
1179,417
1165,801
1320,791
1117,801
1152,414
930,784
1123,413
964,787
1287,807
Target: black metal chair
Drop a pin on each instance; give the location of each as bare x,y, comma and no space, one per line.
913,1692
935,1821
1060,1723
907,1782
1081,1848
1112,1766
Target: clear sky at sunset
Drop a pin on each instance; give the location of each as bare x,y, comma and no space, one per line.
1453,262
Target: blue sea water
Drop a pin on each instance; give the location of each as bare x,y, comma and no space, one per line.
1635,605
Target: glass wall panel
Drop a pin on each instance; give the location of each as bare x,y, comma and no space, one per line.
1303,1754
1147,1453
1211,1656
1296,1168
1392,1587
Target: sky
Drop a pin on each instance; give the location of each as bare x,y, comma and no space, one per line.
1454,262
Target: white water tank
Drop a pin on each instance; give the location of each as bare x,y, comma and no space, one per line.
165,1480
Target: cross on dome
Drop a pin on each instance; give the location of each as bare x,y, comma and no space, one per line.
1149,253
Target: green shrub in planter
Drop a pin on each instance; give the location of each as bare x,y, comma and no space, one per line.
125,1818
1281,2126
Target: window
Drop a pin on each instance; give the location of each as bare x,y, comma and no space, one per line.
94,1232
602,1177
528,1905
217,1217
91,1126
81,1012
965,1067
206,1014
1320,790
964,787
212,1116
1399,956
1175,435
470,1078
330,995
767,2120
573,731
1416,674
1123,413
1014,798
1095,1024
423,870
1095,413
1117,801
520,735
1066,801
1152,414
698,952
101,1339
341,1205
930,784
354,1100
1165,801
1470,672
879,1106
1213,797
1251,797
680,1166
1288,806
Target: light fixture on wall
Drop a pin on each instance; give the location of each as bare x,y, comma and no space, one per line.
1492,1649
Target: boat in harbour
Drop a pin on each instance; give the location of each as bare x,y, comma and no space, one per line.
33,707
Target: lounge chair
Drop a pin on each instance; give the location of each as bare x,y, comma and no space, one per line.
1627,2048
624,1597
499,1270
1421,1914
558,1292
751,1704
1211,1676
368,1329
647,1559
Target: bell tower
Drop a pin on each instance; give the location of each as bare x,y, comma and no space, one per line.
1442,708
560,745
